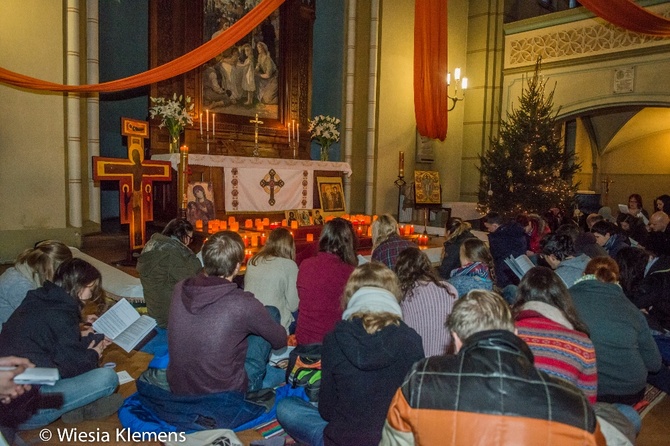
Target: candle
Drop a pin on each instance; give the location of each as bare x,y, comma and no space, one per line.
231,220
293,127
294,224
266,221
257,222
263,239
288,130
200,124
222,225
401,164
297,134
198,224
213,124
411,229
247,255
235,226
246,241
448,78
254,241
207,111
310,237
248,224
284,222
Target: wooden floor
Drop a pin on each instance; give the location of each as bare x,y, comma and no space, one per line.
111,248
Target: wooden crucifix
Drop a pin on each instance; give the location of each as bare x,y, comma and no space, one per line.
135,177
256,122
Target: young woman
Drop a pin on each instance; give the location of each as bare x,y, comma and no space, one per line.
45,330
165,260
456,232
609,236
535,228
364,360
662,203
272,275
386,241
476,271
547,321
427,300
321,280
32,268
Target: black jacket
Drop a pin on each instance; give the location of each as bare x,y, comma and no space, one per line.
45,329
653,296
452,250
508,239
360,374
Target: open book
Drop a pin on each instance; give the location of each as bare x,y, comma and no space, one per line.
520,265
623,209
123,325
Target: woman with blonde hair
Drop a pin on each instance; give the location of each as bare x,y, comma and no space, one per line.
386,241
456,232
476,271
272,274
427,300
364,360
32,268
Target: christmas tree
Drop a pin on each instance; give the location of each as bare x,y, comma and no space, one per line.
527,168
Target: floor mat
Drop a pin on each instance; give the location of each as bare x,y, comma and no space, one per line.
653,396
273,429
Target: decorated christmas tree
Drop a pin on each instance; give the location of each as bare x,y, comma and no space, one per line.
527,168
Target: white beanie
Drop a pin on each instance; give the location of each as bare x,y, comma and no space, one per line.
370,299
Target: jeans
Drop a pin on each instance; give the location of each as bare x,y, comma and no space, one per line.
301,420
631,414
77,391
258,354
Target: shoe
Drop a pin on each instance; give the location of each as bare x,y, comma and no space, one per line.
96,410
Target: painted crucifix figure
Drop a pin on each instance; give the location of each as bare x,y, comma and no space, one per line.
135,177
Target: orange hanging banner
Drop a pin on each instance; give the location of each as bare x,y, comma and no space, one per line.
628,15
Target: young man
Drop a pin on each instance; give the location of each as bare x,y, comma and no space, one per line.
505,238
489,392
210,321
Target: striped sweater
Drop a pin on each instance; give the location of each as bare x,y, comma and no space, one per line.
425,309
560,351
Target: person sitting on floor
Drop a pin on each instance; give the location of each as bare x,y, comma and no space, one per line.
489,392
426,301
321,281
165,260
456,232
558,250
364,359
505,238
211,319
32,268
386,241
45,330
476,271
609,236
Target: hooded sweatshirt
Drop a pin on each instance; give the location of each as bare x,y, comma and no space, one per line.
210,319
360,374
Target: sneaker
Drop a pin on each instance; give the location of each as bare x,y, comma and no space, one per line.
96,410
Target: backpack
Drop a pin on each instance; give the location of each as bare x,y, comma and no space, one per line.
304,369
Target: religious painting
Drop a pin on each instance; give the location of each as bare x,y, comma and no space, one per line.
317,216
244,79
200,202
304,218
427,187
331,195
291,216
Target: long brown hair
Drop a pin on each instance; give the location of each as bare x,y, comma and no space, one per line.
280,243
413,267
477,251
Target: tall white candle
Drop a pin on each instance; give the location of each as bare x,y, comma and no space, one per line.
293,130
288,130
207,111
200,124
298,133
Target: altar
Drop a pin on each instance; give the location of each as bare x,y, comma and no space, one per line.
254,184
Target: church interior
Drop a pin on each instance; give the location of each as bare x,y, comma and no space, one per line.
353,60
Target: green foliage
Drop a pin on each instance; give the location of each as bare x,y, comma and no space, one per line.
527,169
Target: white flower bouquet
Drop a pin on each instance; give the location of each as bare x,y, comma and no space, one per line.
325,131
174,114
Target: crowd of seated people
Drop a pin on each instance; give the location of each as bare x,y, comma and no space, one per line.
597,292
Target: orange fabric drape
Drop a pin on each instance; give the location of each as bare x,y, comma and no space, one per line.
430,68
630,16
180,65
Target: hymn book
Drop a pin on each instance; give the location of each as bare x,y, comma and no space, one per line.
519,265
124,325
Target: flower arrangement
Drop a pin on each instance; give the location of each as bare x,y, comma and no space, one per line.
325,130
174,115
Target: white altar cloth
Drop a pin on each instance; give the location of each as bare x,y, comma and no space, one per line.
116,283
264,184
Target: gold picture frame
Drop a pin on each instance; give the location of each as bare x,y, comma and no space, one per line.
331,195
427,189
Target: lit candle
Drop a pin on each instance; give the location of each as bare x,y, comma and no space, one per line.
207,111
263,239
464,83
200,124
401,164
248,223
411,229
254,241
198,224
231,220
266,221
449,78
310,237
457,73
213,124
246,241
294,224
223,225
284,222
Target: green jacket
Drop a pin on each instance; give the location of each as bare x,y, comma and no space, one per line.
164,261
